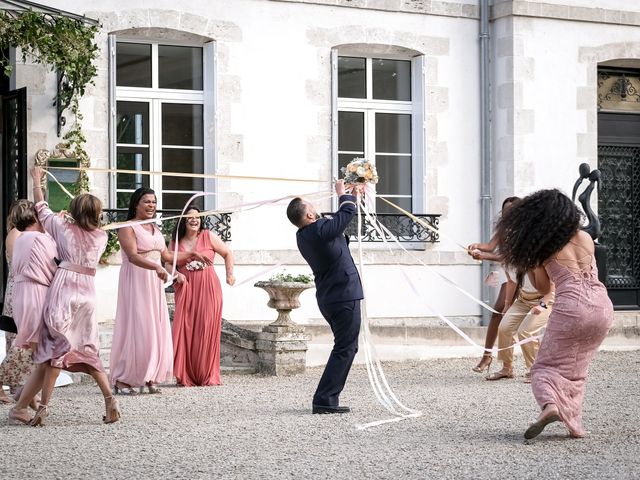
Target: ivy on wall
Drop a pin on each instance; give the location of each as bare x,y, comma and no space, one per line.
63,44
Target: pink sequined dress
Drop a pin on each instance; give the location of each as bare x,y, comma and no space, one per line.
141,351
70,338
34,266
581,317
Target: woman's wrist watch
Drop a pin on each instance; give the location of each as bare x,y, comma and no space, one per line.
543,305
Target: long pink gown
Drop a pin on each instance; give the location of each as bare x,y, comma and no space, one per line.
141,351
197,322
69,337
581,317
33,270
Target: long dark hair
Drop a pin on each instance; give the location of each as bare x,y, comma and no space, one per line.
135,200
535,228
181,225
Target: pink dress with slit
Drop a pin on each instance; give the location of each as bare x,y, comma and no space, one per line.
141,351
34,266
69,338
197,322
581,317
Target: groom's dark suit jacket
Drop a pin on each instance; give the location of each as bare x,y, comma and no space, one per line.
326,250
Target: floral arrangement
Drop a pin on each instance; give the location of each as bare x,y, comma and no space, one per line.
195,265
287,277
360,170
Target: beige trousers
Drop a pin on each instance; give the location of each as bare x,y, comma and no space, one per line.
518,322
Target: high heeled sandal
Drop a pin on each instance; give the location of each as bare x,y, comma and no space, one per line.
17,418
483,364
113,411
499,375
123,389
152,388
38,418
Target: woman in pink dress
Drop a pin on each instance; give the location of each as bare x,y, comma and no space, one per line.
197,321
34,266
69,337
141,352
544,230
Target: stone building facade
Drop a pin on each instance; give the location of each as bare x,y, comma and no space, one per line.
268,103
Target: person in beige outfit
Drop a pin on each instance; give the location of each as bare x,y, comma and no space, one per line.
525,318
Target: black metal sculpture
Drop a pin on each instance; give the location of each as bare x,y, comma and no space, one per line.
593,222
593,225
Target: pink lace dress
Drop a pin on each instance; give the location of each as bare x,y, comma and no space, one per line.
70,336
581,317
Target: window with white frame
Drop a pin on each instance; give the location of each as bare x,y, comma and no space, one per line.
159,120
380,118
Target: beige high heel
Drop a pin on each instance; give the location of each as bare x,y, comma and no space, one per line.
113,411
41,414
483,364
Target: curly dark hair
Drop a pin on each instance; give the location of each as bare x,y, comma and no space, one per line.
535,228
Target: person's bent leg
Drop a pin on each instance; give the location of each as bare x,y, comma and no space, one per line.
344,319
112,407
492,332
531,326
31,387
506,332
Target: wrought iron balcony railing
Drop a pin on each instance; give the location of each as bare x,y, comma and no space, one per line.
405,229
220,223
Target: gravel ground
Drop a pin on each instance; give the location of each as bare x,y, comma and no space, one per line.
261,427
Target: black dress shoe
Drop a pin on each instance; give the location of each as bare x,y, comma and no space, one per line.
329,409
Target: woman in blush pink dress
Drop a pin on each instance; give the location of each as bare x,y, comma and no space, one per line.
141,353
69,336
34,266
544,230
197,321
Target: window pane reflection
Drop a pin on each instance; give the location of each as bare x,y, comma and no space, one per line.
391,79
177,201
351,131
384,207
131,158
393,133
180,67
180,160
182,124
352,78
132,123
133,65
395,175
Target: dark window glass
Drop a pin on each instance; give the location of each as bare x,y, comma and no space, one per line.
131,158
344,159
182,124
384,207
391,79
351,131
133,123
393,133
182,160
352,78
180,67
133,65
394,175
177,201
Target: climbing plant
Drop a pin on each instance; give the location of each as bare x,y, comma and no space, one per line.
63,44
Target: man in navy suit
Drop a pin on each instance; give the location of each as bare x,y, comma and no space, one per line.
324,246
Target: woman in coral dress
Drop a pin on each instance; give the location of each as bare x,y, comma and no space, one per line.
544,230
69,337
197,321
141,353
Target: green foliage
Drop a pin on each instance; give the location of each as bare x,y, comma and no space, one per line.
63,44
113,245
287,277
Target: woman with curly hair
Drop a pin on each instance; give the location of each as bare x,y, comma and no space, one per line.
544,230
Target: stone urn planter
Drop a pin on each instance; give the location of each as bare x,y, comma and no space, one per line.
282,345
284,297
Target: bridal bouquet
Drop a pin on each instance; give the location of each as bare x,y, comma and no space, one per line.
194,265
360,170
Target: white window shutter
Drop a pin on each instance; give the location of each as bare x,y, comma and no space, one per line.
334,117
209,79
112,119
418,133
